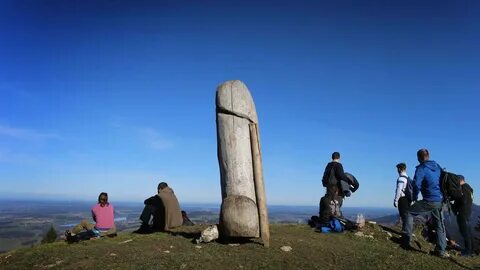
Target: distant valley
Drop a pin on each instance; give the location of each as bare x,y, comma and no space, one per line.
24,223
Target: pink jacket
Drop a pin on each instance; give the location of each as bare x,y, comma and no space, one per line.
103,216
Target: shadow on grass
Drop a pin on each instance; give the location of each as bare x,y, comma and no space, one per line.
388,229
238,240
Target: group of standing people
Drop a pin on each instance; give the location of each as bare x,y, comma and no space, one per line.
161,213
427,181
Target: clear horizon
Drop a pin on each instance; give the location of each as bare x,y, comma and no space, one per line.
117,96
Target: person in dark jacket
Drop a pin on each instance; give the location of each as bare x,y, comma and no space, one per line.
427,181
463,211
332,176
331,180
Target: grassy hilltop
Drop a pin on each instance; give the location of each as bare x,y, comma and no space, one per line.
376,249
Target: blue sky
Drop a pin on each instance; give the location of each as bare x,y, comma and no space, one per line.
117,95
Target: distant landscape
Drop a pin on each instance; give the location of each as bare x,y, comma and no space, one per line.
23,223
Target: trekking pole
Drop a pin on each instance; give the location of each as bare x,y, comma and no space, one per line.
259,185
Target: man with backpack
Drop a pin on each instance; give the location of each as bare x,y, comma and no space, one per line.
463,210
331,180
403,193
427,181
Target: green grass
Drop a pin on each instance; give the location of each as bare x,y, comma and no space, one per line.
311,250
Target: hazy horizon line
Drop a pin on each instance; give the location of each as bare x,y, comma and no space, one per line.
187,203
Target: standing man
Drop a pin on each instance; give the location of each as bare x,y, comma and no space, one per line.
463,209
427,181
401,201
333,199
164,208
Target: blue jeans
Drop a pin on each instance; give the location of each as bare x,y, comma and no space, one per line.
426,208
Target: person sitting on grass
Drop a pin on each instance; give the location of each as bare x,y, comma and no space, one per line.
163,209
103,215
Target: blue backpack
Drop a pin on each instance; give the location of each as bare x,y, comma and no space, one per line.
336,225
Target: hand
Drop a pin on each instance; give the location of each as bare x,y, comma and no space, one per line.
395,204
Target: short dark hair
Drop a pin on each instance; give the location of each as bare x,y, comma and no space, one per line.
423,154
102,194
162,185
401,166
335,155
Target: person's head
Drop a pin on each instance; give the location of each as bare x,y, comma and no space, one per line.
461,178
161,186
401,167
335,156
423,155
103,199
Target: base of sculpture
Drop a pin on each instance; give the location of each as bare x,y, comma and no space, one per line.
239,217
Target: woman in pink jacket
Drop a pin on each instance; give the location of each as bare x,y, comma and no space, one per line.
103,215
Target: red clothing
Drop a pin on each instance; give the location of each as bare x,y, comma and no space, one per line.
103,216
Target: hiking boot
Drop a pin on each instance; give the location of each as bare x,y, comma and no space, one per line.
466,254
70,237
144,229
440,254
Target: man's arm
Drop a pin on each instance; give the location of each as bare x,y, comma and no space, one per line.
326,175
150,201
340,174
398,191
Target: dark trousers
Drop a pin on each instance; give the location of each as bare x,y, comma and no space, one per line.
403,205
466,232
147,213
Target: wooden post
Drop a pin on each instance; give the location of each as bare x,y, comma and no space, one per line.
259,185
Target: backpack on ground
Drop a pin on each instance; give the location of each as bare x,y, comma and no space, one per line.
314,221
408,188
450,186
336,225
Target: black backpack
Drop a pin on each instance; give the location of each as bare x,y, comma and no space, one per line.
450,186
332,179
408,188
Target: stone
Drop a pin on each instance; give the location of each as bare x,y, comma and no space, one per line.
235,110
209,234
286,248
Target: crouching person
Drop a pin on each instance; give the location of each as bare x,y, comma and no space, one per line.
165,210
103,216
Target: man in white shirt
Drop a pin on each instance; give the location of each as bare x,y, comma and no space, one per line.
400,200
